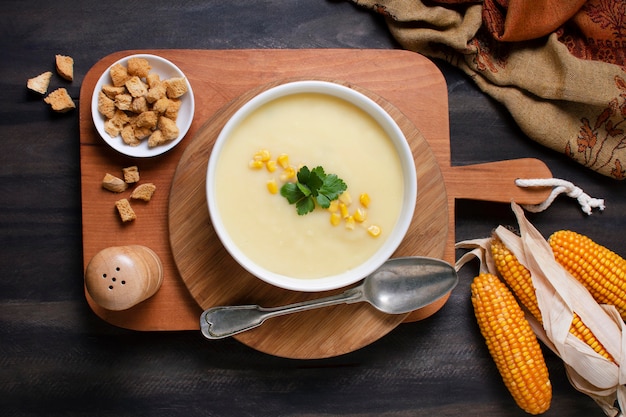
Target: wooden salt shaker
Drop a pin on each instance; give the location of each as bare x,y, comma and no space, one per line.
120,277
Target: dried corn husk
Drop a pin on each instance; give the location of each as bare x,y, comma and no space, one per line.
559,296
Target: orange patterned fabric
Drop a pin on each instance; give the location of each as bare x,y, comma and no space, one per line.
559,66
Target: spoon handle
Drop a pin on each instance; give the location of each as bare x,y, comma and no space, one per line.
225,321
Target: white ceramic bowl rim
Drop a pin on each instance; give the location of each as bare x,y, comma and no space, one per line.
166,69
408,169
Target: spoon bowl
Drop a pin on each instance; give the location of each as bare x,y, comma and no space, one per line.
402,285
398,286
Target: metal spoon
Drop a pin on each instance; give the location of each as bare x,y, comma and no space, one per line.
399,286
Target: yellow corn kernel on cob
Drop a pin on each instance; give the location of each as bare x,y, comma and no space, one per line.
365,200
600,270
518,278
512,344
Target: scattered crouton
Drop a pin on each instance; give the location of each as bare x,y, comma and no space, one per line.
40,83
143,192
60,100
112,183
126,212
131,174
65,66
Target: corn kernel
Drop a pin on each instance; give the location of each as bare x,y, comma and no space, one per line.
373,230
364,199
288,173
345,198
255,164
262,155
283,160
271,165
360,215
350,223
335,218
334,206
343,209
272,187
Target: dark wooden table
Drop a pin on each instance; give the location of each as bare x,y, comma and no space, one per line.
58,359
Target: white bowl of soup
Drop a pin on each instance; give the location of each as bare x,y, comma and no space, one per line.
276,168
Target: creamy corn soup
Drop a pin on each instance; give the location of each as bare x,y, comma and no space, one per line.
313,130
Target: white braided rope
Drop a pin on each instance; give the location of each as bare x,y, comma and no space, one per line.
559,186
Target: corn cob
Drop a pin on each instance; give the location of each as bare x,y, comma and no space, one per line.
512,344
600,270
518,278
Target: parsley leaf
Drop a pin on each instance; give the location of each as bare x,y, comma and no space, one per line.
313,186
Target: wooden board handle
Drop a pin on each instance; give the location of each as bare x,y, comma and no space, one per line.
495,181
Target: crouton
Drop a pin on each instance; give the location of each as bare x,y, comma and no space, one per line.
111,91
143,192
139,67
147,119
40,83
112,183
136,87
60,100
126,212
131,174
161,105
156,139
139,105
172,109
168,128
155,93
153,79
106,106
65,66
175,87
114,125
119,75
123,101
128,135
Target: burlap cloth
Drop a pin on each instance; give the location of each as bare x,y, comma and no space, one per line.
558,66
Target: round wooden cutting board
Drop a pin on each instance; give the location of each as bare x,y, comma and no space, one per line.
214,278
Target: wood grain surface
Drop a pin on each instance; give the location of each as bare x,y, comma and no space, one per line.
407,77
